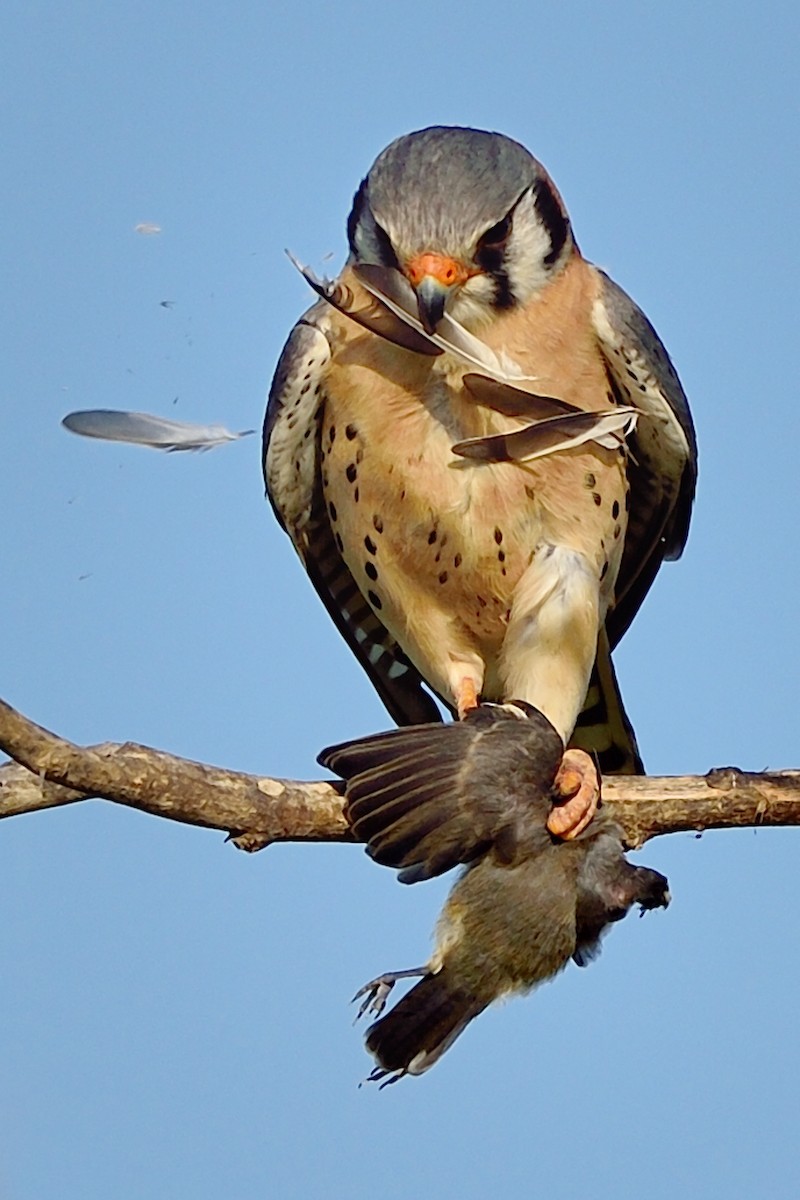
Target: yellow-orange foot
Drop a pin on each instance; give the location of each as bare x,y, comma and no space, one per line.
467,698
577,791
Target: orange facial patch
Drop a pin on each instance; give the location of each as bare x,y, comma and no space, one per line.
448,271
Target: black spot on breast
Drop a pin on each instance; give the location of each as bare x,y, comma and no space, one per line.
443,577
370,545
431,537
332,511
377,523
374,599
598,499
355,495
457,561
351,472
359,455
481,601
371,571
501,556
350,432
617,530
339,543
589,480
332,434
604,571
529,492
615,509
498,535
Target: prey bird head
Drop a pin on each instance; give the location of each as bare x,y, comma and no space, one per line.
471,219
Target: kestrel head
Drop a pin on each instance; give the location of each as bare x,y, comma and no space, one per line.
471,219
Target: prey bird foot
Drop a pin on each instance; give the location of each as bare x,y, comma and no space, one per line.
376,992
577,790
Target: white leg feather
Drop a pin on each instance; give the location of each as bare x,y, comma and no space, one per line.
552,635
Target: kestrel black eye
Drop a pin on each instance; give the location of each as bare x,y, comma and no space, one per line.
385,248
495,237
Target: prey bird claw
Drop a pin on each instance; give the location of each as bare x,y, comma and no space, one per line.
377,991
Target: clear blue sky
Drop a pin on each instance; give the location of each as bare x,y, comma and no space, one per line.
174,1016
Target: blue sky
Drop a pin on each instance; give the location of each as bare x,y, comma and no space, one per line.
174,1015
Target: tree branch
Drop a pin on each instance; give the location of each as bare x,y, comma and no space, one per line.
49,771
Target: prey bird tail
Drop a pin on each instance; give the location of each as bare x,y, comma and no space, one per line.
420,1027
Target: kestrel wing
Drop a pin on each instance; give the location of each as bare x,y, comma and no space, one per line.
292,428
663,465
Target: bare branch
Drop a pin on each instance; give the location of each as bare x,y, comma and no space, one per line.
256,810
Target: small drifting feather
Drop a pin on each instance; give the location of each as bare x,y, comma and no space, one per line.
144,429
551,435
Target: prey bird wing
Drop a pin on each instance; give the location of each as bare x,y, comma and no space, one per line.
428,798
292,469
145,429
663,462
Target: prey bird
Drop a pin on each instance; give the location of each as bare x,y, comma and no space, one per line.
478,792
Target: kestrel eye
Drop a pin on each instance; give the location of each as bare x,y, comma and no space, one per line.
497,235
385,247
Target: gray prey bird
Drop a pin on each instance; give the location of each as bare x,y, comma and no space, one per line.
478,793
480,450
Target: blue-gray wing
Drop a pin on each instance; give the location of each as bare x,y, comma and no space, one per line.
291,457
663,448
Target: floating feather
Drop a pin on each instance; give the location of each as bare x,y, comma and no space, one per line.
144,429
377,316
394,290
551,435
513,401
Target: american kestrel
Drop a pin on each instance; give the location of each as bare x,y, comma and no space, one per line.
479,793
480,449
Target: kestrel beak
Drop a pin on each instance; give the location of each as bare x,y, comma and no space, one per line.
433,278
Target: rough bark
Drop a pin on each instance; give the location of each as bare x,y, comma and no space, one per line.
49,771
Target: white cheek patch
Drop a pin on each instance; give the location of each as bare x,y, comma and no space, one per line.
526,251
